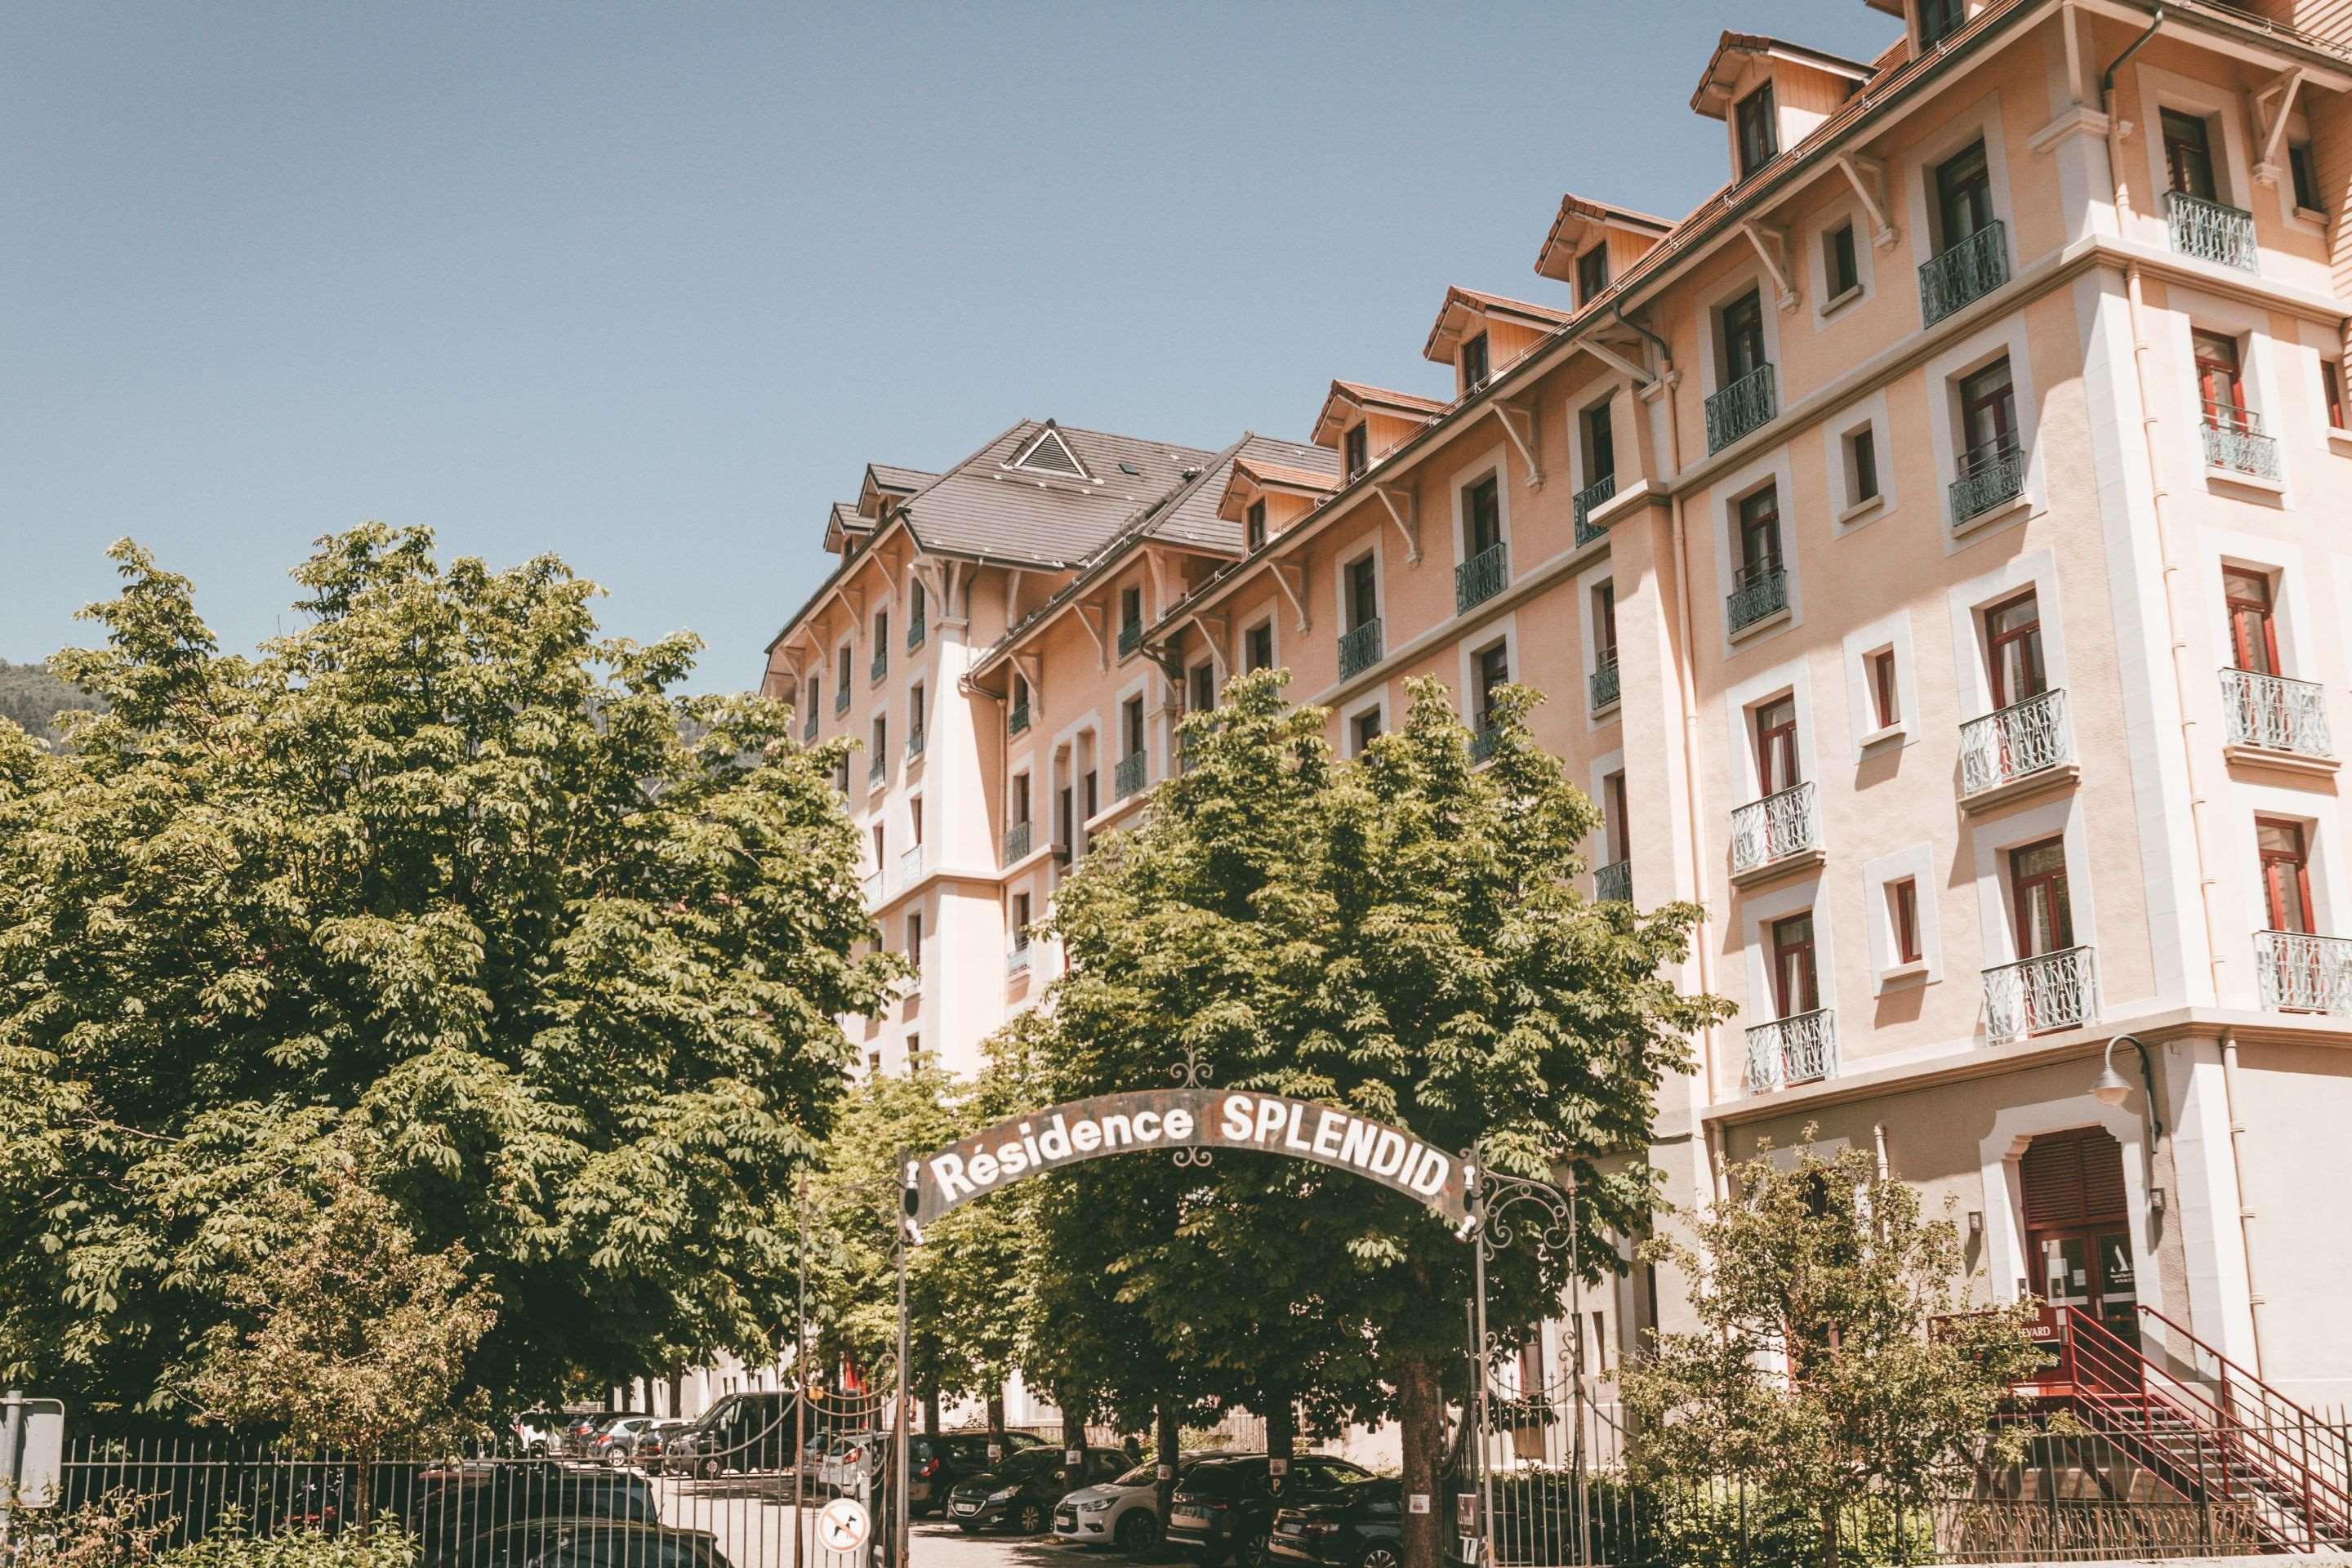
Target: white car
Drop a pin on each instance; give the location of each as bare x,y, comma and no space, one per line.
848,1459
1122,1512
541,1432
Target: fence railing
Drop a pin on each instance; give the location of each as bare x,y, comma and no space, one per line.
1774,828
1796,1050
1359,648
2034,996
1613,882
1588,500
2235,442
910,865
1965,272
1127,777
1602,684
1991,475
2016,741
2302,974
2211,231
1481,577
1757,594
2276,713
1740,407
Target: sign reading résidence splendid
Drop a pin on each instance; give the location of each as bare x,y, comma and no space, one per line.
1151,1120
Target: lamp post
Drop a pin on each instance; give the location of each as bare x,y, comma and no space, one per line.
2111,1087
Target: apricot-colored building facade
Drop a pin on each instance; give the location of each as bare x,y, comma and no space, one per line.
1932,551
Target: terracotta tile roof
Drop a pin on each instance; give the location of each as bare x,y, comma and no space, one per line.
1479,304
1323,480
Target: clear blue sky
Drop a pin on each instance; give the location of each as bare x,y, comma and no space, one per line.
648,284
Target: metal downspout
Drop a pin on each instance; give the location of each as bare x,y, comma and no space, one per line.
2246,1210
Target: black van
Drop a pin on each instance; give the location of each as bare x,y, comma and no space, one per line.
742,1432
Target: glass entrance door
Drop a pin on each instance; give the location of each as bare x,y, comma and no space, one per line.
2090,1271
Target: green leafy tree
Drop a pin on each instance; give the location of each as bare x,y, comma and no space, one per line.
1838,1361
446,866
1398,936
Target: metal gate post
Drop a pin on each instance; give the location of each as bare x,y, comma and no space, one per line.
11,1460
899,1532
1481,1471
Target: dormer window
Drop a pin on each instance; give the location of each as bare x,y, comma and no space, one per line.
1938,20
1355,445
1256,524
1475,366
1592,273
1760,136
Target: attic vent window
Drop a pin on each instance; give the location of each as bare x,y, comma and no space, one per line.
1049,454
1129,468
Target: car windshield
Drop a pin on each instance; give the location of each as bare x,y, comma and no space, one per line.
1030,1462
1142,1476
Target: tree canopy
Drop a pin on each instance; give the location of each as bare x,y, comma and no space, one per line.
445,867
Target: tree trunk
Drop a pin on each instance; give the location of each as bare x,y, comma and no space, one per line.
1171,1442
1829,1535
1281,1439
996,1421
1073,1441
1421,1421
931,1410
363,1499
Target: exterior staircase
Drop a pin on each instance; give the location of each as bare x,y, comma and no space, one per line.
2210,1429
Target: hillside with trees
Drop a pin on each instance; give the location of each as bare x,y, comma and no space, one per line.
33,698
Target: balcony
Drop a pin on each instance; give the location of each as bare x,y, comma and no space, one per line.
1778,831
1613,883
1016,842
1127,777
1740,407
1991,475
1589,501
2210,231
2299,973
1359,648
2036,995
870,886
1760,593
1963,274
1131,638
2015,744
914,742
1799,1050
1481,741
1017,961
1602,684
881,665
841,697
911,866
808,726
2272,713
1017,720
917,631
877,770
2235,443
1481,577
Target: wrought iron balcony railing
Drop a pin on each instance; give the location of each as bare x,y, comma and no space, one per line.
1964,273
2234,441
2035,995
2302,974
1359,649
1758,593
2211,231
881,665
1017,961
878,769
1603,684
1740,407
841,697
1481,741
2276,713
910,865
1991,475
916,631
1127,777
871,886
1016,842
1481,577
1613,883
1796,1050
1131,638
915,741
1588,500
1774,828
1017,718
2016,741
808,726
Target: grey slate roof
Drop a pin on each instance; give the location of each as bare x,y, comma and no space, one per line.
983,507
1193,518
891,477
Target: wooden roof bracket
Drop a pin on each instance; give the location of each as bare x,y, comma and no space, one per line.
1031,665
1091,616
1403,505
1772,247
1868,178
1518,417
2272,121
1618,363
1213,630
1291,578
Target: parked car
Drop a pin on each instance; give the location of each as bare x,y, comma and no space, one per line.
849,1458
1123,1512
539,1433
1359,1526
1225,1507
936,1465
617,1445
451,1520
596,1544
1019,1492
653,1441
743,1432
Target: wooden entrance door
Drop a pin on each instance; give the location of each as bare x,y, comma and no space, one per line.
2078,1238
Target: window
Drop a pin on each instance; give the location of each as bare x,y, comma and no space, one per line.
1201,691
2188,155
1604,624
881,742
1474,363
881,641
915,945
1600,443
1861,466
2253,632
2286,875
1021,800
1257,646
1760,534
914,1053
1796,987
1021,920
915,714
1130,611
1885,692
2305,175
1963,194
842,690
841,774
874,1062
915,607
1987,416
2331,393
1090,793
1759,139
877,847
1481,517
1364,729
2013,646
2045,917
1903,918
1131,726
1357,445
1742,324
1776,746
1938,19
1591,273
1065,822
1838,262
1256,524
915,818
1614,816
1363,592
2220,382
1493,671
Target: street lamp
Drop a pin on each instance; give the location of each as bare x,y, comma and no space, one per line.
2111,1087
